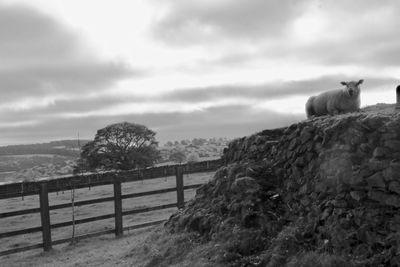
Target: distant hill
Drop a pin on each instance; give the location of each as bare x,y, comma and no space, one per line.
68,148
198,148
55,158
30,161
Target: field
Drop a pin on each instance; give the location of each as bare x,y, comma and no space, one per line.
58,158
31,220
103,251
32,166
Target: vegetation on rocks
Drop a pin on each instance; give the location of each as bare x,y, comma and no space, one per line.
322,192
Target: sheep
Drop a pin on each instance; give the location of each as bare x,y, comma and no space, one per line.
336,101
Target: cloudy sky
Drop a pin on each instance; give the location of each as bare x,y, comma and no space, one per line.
185,68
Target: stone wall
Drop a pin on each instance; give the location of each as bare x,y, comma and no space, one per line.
252,148
356,154
335,179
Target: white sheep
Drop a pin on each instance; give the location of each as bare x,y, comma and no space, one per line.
335,101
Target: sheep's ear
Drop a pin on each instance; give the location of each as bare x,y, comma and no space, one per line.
343,83
360,82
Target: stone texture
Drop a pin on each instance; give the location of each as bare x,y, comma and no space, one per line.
394,186
336,178
358,195
380,152
391,173
393,200
377,165
376,181
245,185
393,145
379,196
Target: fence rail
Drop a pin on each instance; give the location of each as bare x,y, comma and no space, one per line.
45,186
28,188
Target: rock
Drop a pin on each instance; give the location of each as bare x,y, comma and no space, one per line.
366,148
365,171
326,213
392,173
380,152
220,186
384,198
377,196
339,203
393,200
358,195
318,147
245,185
293,135
372,122
194,222
293,144
376,180
377,165
300,162
304,189
395,166
305,201
321,187
305,135
394,186
352,179
393,145
390,136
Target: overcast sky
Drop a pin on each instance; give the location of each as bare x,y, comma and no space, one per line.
186,68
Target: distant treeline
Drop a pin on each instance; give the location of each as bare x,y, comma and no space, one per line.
62,148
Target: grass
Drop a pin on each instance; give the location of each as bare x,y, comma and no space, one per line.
148,247
99,251
61,215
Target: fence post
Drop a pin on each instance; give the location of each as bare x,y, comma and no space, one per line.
118,207
179,187
398,97
45,215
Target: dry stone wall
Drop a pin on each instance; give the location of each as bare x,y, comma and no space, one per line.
335,179
356,154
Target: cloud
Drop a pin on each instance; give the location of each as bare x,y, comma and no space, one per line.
53,86
182,100
28,36
188,22
63,79
230,121
273,90
363,33
40,57
327,33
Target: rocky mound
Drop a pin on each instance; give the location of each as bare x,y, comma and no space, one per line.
324,191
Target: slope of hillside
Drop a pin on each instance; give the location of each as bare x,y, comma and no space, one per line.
31,161
61,148
322,192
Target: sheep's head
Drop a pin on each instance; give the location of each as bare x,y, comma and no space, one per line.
353,88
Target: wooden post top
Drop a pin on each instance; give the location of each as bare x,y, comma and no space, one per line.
398,97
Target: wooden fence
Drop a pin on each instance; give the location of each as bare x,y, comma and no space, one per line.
45,186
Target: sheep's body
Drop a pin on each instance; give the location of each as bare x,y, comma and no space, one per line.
335,101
